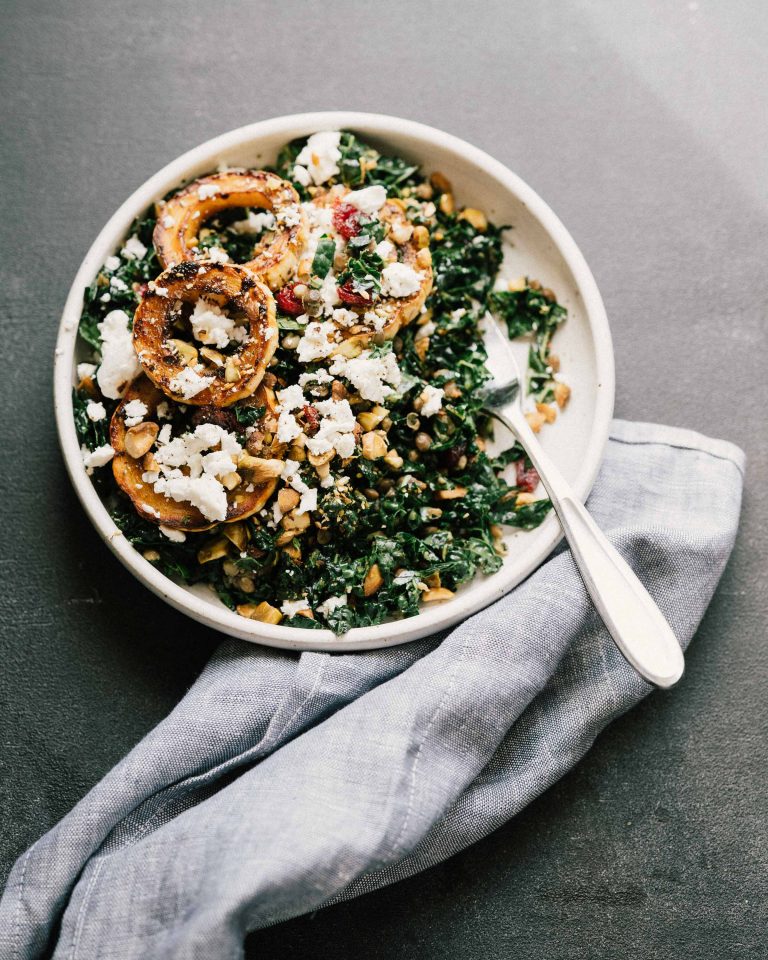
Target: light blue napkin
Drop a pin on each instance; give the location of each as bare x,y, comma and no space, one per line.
281,783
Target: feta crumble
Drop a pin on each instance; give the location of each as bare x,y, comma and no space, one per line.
134,249
85,370
331,604
217,255
256,222
189,383
213,327
95,411
336,429
368,374
134,412
400,280
320,157
319,341
369,200
433,400
112,263
290,608
119,363
207,190
96,458
201,485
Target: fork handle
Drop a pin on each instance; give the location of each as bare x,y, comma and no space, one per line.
636,624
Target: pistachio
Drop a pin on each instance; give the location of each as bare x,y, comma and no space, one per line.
475,217
439,593
562,394
440,182
139,439
186,351
373,580
236,533
374,444
393,459
231,480
264,612
370,419
287,499
259,470
213,550
455,493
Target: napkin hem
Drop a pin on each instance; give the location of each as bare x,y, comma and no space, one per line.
638,432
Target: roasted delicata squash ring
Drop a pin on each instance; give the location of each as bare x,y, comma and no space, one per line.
180,219
400,311
157,508
175,365
412,245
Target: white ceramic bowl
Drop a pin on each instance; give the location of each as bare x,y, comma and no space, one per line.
542,248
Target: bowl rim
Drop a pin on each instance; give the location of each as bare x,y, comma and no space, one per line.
484,592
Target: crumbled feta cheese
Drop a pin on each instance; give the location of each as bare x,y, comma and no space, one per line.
400,280
189,383
85,370
344,317
331,604
369,374
369,200
105,297
177,536
201,485
317,378
205,492
217,255
96,458
289,400
134,249
95,411
256,222
376,320
207,190
211,325
168,221
112,263
301,175
433,400
119,363
386,250
329,293
117,284
160,291
290,608
289,216
320,156
319,340
134,412
336,429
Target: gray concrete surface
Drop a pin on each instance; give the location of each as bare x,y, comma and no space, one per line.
644,126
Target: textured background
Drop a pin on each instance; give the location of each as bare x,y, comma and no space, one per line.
644,126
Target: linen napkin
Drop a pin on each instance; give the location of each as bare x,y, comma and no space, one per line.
281,782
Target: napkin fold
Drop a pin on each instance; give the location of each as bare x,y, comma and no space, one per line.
283,782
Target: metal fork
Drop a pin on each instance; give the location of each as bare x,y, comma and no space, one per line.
633,620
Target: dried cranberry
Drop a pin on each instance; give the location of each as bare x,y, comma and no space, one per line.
452,456
289,302
346,220
527,478
311,418
347,294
